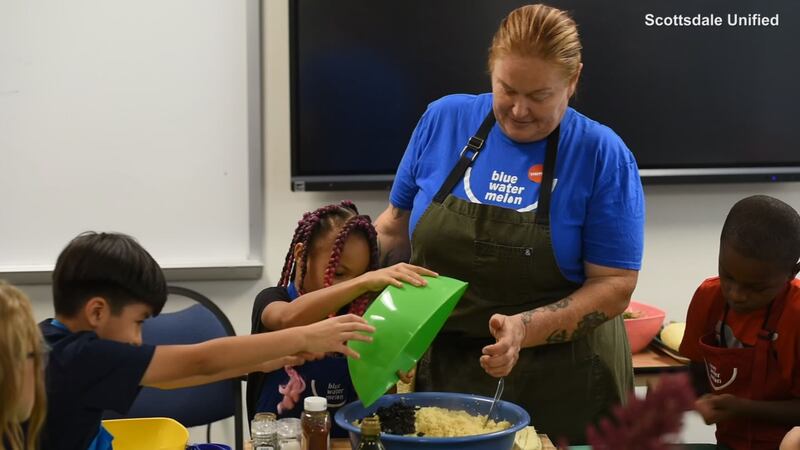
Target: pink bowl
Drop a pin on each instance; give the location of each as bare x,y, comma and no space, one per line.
644,327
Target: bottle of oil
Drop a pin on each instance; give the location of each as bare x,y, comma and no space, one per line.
371,434
316,424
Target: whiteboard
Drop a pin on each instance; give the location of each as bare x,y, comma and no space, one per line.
139,117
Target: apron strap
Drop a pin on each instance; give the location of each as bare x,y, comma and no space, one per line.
763,346
474,145
548,171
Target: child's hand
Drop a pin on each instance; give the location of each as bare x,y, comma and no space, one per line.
717,408
394,275
331,335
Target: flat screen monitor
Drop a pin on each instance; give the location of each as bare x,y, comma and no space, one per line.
699,90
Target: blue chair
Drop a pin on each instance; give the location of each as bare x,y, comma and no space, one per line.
194,406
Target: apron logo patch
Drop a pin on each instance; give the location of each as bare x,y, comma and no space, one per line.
716,378
535,173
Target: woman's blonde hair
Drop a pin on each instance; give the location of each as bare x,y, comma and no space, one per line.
19,336
540,31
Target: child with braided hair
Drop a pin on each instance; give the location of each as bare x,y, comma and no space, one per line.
331,268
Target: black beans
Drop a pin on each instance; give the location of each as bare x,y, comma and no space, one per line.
397,418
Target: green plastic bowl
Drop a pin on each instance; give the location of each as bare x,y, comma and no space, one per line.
406,321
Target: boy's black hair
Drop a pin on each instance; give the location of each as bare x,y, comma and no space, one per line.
109,265
764,228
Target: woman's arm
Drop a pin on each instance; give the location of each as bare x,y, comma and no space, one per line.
605,294
392,227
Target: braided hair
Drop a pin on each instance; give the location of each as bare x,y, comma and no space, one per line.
364,225
343,216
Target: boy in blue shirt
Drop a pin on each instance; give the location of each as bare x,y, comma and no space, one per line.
104,287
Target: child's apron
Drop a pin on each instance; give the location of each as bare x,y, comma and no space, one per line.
750,372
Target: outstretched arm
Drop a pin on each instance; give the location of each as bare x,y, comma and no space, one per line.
269,366
218,358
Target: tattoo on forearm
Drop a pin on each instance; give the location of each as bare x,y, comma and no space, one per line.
589,322
561,304
557,337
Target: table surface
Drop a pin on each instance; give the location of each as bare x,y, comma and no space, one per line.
651,363
344,444
651,359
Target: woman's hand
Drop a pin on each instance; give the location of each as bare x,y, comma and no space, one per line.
331,335
407,377
499,358
395,275
717,408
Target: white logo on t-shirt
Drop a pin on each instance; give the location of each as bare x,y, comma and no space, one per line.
503,189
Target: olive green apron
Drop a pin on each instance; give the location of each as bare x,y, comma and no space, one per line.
507,258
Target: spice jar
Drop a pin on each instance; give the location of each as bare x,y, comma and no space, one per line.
263,430
289,434
316,424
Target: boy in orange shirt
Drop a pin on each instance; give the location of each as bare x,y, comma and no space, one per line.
741,328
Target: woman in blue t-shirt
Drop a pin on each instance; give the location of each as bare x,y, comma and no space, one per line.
329,269
541,209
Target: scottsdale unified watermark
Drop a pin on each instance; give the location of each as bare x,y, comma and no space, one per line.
713,20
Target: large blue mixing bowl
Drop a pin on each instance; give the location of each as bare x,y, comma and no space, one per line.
473,404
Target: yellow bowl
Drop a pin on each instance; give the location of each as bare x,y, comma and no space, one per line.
151,433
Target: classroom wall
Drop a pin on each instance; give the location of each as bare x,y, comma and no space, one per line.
683,222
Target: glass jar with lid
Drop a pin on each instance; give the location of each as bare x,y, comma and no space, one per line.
263,430
289,434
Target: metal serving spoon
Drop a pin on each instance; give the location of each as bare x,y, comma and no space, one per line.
501,384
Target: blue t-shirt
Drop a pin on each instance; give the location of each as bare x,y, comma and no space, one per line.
86,375
597,206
